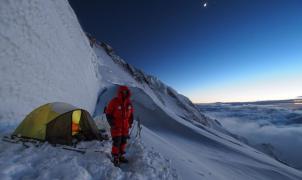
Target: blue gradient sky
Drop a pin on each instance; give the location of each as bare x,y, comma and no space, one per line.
235,50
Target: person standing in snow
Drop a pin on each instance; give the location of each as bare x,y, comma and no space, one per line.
119,113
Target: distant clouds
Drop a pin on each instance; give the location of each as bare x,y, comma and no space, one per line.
276,125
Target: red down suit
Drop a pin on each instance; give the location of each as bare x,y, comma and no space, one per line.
119,113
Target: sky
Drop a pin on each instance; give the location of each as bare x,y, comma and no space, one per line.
226,51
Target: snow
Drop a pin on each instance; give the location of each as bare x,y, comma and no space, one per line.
45,57
116,71
48,162
197,149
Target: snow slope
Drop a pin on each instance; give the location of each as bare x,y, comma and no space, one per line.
45,57
197,146
116,71
48,162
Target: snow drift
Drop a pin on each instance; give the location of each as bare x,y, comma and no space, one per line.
45,57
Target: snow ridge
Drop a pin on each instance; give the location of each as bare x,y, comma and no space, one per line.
158,88
199,147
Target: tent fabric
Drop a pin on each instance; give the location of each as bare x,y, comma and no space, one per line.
61,108
88,126
53,122
34,124
58,131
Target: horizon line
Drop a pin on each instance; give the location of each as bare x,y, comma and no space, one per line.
248,101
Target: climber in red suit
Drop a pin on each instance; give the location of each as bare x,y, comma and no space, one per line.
119,113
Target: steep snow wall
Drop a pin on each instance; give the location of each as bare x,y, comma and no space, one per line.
44,57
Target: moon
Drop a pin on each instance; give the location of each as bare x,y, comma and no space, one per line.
205,4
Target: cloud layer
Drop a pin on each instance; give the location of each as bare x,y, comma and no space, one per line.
279,125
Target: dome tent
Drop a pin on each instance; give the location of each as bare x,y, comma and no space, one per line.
54,122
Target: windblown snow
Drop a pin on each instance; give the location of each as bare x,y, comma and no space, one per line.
46,57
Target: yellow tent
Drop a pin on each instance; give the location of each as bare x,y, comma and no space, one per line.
54,122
